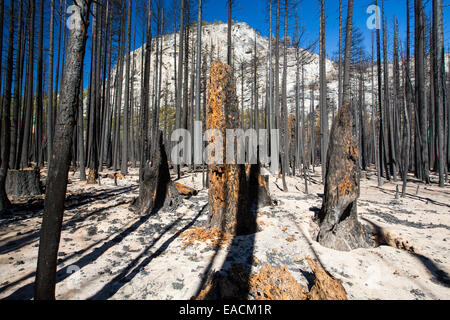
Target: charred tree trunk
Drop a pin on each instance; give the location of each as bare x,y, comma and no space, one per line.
50,83
28,112
124,163
439,83
420,87
59,167
156,190
323,93
26,182
339,226
6,121
38,127
17,90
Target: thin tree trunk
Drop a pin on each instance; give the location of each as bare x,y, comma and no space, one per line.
340,56
230,25
6,121
420,86
50,83
17,91
284,113
179,90
39,91
439,83
124,163
29,97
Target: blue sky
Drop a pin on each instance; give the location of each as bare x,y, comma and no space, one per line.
255,14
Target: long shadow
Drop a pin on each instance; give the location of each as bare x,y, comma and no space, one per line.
26,292
30,238
423,199
237,266
60,261
134,268
25,211
440,276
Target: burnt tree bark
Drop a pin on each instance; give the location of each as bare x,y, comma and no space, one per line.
59,165
156,189
228,204
6,121
339,226
26,182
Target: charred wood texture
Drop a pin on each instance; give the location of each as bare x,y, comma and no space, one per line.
228,203
339,226
156,190
25,182
58,170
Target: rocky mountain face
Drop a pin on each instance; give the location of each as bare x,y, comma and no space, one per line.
214,47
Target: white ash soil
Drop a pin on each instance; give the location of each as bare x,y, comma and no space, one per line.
107,252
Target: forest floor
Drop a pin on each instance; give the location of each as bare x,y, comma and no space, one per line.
107,252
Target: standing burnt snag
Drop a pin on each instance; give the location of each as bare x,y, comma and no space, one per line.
156,190
228,203
339,226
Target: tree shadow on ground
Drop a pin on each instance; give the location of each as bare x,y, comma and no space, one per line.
232,280
423,199
60,261
33,207
26,292
31,236
133,268
440,276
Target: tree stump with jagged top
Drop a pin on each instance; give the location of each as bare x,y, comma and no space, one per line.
156,189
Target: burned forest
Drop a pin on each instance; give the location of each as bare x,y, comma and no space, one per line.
296,150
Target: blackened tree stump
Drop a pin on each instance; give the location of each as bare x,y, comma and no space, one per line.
156,190
25,182
228,202
339,226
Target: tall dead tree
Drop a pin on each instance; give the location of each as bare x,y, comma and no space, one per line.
59,166
29,106
50,82
2,14
6,120
323,93
388,104
230,26
179,90
340,56
124,163
339,226
406,147
439,83
284,143
420,86
17,103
